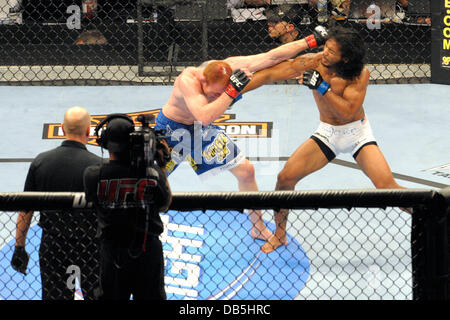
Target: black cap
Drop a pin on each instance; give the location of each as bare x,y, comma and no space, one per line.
118,135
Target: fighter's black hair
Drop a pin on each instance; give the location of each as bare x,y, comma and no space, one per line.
353,51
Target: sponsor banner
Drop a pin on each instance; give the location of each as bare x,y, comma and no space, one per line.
233,129
208,256
440,42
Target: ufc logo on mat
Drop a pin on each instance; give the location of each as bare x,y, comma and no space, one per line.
124,190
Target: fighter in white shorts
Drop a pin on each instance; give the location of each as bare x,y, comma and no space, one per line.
339,81
347,138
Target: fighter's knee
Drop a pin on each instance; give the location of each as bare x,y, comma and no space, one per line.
285,181
246,172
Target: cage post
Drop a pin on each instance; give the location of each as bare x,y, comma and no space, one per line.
430,249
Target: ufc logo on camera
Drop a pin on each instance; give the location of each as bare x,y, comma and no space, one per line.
124,192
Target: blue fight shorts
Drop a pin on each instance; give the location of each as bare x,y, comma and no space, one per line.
207,148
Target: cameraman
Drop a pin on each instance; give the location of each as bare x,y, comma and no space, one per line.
128,196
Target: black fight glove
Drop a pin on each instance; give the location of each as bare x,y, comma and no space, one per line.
19,260
313,80
238,81
318,37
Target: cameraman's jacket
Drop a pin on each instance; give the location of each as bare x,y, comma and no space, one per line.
120,195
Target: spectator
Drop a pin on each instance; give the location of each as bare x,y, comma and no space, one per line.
244,3
403,14
11,12
283,22
68,238
131,256
373,11
91,37
243,10
402,4
338,8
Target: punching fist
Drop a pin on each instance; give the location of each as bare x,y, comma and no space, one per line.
318,37
238,81
19,260
313,80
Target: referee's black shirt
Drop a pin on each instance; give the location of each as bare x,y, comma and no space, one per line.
61,170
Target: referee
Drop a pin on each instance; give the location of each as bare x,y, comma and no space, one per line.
68,238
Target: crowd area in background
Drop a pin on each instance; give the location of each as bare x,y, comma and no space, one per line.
397,11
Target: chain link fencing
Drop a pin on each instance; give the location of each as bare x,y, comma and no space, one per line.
97,42
341,245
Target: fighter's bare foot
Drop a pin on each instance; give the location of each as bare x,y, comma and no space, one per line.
273,243
263,234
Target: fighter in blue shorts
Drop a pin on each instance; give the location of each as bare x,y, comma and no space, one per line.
201,95
208,149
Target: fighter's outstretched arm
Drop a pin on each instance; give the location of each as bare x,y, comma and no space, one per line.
270,58
283,71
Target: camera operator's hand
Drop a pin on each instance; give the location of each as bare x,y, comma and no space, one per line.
163,154
159,192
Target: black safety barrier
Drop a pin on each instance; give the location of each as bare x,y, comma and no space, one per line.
343,244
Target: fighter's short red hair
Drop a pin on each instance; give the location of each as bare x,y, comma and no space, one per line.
217,72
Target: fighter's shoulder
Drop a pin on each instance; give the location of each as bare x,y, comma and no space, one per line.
359,83
364,77
187,76
187,81
308,59
365,74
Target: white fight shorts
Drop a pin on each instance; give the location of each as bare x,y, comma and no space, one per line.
348,138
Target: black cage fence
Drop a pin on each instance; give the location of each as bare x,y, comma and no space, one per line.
341,244
99,42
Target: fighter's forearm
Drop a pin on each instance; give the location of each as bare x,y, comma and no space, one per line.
340,107
286,51
277,55
259,78
283,71
22,226
208,113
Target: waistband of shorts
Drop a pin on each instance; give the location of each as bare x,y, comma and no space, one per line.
176,125
164,120
347,125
